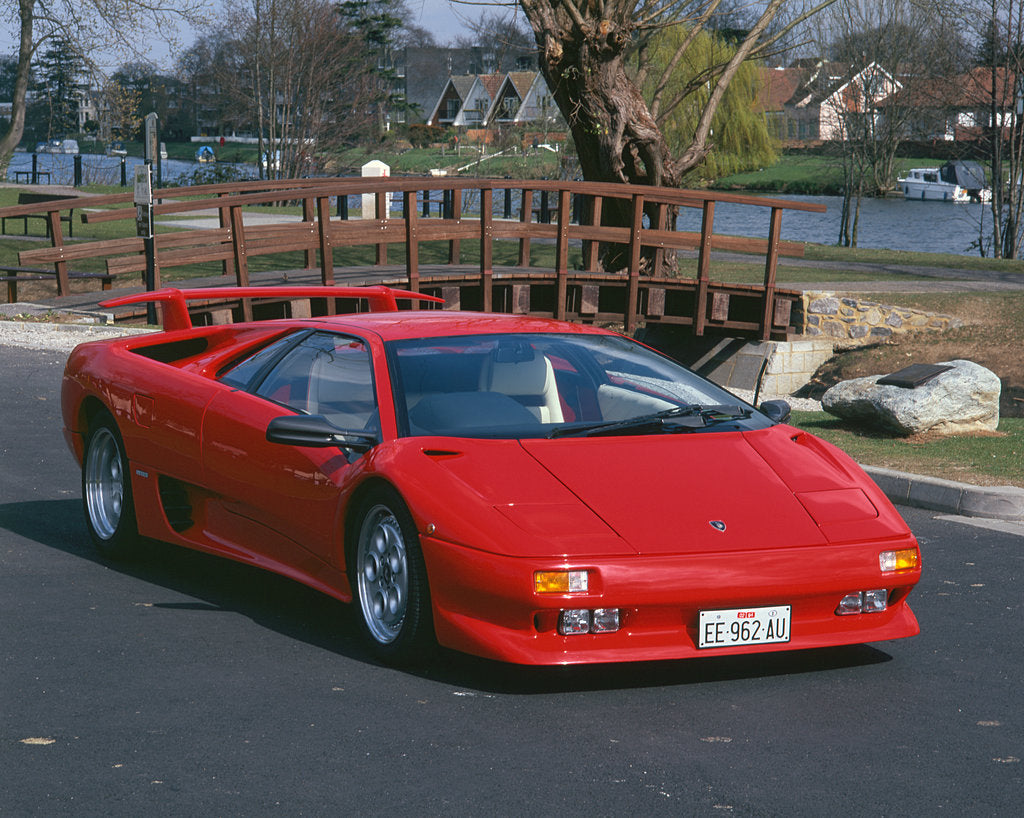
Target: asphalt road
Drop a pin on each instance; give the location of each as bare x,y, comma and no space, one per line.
182,684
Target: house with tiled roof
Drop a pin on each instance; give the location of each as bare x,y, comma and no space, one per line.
450,103
810,101
489,100
522,97
959,108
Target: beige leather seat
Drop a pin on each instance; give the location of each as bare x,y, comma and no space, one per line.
530,382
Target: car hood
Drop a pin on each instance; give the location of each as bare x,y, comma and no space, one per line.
679,494
658,494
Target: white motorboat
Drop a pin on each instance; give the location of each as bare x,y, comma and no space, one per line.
927,184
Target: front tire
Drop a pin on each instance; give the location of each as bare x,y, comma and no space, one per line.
107,491
389,580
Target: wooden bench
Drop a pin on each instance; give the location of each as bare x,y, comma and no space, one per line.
12,276
37,198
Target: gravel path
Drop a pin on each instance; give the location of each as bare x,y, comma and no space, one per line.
57,337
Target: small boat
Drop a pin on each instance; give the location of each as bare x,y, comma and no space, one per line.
927,184
205,154
163,150
970,176
69,146
116,149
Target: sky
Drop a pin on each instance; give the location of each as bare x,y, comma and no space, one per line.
444,19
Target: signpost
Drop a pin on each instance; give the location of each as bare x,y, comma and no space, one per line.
143,199
151,146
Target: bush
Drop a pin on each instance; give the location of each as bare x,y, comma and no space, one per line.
422,136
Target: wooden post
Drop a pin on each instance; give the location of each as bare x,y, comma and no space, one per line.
562,251
486,247
454,247
771,263
707,229
412,247
635,247
590,247
525,217
659,224
57,240
227,266
308,216
382,220
241,261
323,218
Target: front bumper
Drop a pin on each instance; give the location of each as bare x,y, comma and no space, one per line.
485,604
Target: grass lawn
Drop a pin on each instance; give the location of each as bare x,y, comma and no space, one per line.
981,460
807,174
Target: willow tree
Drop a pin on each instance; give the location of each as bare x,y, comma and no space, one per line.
740,134
91,28
586,50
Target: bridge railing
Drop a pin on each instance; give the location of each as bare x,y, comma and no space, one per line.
407,213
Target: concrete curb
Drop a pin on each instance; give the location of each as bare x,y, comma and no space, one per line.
936,494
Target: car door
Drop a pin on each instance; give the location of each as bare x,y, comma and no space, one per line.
285,500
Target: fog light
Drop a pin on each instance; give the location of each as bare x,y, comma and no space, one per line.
605,620
873,601
849,604
906,559
560,582
574,621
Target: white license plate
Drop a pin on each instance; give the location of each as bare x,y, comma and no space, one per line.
744,626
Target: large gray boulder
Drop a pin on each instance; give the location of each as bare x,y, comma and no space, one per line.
961,400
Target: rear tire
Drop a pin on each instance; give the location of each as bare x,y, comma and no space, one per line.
107,491
389,581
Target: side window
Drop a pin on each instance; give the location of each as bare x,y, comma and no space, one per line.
329,375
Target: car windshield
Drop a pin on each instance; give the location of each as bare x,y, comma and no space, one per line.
553,385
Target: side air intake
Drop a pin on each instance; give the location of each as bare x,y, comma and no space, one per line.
176,503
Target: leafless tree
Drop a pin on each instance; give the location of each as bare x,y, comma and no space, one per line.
998,92
887,59
303,76
92,27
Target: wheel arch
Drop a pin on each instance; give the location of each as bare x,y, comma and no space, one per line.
352,516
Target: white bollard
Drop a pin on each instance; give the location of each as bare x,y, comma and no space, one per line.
375,168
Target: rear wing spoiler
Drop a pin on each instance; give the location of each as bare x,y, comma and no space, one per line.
175,301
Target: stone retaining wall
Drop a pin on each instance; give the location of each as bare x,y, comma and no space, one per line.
851,322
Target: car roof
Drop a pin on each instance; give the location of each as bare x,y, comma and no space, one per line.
405,324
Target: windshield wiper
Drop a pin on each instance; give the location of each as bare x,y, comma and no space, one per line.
675,419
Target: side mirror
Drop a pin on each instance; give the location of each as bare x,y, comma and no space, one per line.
314,431
776,410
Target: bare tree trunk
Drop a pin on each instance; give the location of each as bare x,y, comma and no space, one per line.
10,140
582,57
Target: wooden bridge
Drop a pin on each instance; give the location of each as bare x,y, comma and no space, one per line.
474,242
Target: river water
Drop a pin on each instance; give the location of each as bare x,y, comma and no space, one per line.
98,169
894,224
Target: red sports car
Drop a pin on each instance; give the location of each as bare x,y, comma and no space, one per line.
522,489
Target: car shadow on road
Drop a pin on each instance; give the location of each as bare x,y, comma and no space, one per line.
213,583
217,584
497,678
